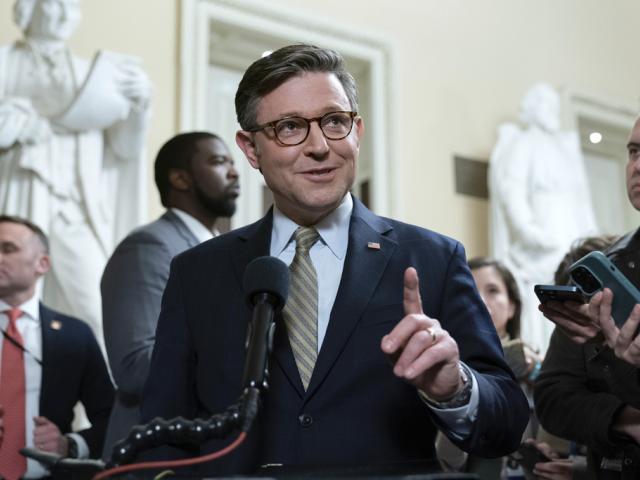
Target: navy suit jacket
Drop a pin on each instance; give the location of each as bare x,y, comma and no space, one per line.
355,410
73,369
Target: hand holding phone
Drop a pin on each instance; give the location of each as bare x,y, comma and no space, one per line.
624,341
566,306
594,272
528,455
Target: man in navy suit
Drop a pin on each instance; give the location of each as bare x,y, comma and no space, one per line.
52,362
368,360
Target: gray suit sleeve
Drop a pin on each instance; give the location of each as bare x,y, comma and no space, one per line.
132,287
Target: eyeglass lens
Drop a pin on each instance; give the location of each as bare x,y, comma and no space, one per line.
294,130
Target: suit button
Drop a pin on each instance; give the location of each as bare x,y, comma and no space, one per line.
305,420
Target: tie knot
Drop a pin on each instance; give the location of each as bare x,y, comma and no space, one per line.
305,238
13,314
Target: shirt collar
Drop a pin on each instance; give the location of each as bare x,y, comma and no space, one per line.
333,229
30,308
199,231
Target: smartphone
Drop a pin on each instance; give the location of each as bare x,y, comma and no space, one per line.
593,272
528,455
559,293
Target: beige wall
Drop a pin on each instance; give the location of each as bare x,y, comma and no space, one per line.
463,65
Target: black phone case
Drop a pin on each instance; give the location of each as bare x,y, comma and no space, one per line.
558,293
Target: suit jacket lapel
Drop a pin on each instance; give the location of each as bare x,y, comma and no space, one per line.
49,340
254,242
181,228
363,269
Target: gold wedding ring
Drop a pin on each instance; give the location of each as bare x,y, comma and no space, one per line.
434,337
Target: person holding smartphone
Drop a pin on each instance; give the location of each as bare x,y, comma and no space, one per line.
584,323
624,341
499,291
585,393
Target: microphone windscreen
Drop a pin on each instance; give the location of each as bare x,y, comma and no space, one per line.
267,275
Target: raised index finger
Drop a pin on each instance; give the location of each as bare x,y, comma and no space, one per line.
411,297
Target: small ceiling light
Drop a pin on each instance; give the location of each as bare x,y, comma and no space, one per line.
595,137
266,53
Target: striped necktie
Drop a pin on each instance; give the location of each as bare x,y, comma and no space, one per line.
301,311
12,398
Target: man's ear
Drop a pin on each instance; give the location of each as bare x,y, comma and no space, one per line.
359,125
43,265
247,144
180,179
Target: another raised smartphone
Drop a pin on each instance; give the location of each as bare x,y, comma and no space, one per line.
558,293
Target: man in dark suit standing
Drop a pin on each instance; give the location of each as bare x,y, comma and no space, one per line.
49,361
198,184
354,304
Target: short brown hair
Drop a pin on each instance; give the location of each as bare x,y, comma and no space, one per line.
268,73
42,237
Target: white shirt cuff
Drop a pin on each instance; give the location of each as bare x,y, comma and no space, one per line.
459,421
83,448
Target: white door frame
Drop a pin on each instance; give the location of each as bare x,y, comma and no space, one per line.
614,112
259,16
604,110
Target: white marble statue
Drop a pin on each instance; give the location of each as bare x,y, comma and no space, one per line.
71,149
540,201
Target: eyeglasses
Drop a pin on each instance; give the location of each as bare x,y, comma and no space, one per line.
290,131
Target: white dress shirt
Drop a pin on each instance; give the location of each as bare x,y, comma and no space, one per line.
28,324
328,255
199,231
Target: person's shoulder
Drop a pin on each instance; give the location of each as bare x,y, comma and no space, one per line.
158,231
408,233
63,322
630,241
220,245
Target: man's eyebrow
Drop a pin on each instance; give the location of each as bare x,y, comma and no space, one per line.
633,145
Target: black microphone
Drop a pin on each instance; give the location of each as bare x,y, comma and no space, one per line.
266,286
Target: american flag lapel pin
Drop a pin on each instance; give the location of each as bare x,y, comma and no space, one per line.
56,324
373,245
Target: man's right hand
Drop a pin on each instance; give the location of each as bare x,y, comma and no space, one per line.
573,320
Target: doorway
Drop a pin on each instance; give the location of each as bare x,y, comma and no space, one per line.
220,39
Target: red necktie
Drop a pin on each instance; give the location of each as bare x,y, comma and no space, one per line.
12,398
